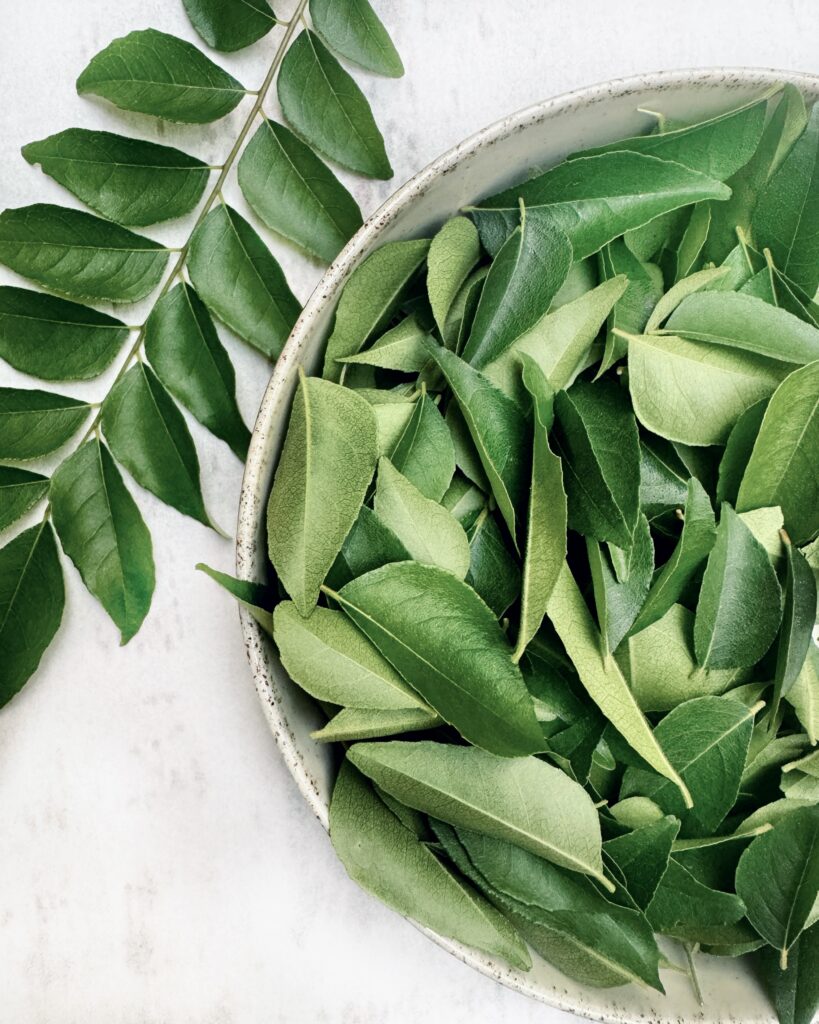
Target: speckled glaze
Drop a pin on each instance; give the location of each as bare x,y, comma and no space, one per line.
501,154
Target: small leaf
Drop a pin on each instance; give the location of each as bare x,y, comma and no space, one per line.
493,572
79,254
618,602
147,433
424,453
253,597
326,107
129,181
740,604
401,348
352,724
681,291
429,533
522,282
353,29
785,217
545,550
239,280
778,878
497,428
694,393
54,339
779,471
706,739
522,800
335,662
190,360
324,471
34,423
453,253
295,193
387,859
102,532
738,450
20,491
32,597
370,298
155,73
663,478
797,622
230,24
686,259
369,545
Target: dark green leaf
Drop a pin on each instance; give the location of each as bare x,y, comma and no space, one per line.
738,451
147,433
493,571
129,181
325,106
190,360
642,857
368,545
253,597
155,73
102,532
619,602
79,254
633,308
54,339
797,621
295,193
353,29
20,491
230,24
34,423
794,991
424,453
32,596
240,281
683,907
663,477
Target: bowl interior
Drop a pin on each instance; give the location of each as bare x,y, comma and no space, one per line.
497,156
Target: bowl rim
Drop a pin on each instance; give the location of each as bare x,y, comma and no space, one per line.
252,500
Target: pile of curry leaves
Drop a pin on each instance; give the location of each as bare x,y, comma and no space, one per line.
550,518
224,270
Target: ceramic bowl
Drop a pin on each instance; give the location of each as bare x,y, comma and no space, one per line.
504,153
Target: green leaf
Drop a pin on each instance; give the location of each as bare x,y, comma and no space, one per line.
797,622
429,532
424,453
694,393
602,678
334,662
20,490
253,597
147,433
240,282
54,339
155,73
326,107
794,991
635,811
295,193
595,199
681,291
791,297
743,321
370,297
79,254
129,181
545,550
352,724
463,499
461,313
448,645
642,857
785,217
369,545
559,343
453,253
683,907
522,282
493,572
740,604
663,478
32,597
353,29
596,435
686,258
619,602
230,24
34,423
717,146
803,696
387,859
633,308
738,451
695,543
401,348
706,739
778,878
661,666
521,800
324,471
497,428
779,472
190,360
102,532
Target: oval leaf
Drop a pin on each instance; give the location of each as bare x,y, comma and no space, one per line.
230,24
20,490
453,253
34,423
424,452
352,28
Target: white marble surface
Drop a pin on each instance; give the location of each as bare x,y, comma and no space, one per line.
156,861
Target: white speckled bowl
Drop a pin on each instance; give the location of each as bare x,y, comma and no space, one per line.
492,159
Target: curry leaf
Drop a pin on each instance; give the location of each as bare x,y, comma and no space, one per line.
401,348
642,857
797,621
230,24
424,453
352,724
493,572
34,423
353,29
794,991
738,451
453,253
20,490
618,603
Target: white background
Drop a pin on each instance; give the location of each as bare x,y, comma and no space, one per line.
156,861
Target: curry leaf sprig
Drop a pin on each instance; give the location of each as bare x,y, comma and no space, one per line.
544,547
224,270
